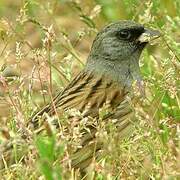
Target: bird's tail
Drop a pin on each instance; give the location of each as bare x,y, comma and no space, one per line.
85,156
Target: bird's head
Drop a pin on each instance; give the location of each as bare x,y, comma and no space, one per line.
118,46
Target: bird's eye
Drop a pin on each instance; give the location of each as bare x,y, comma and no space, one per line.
124,34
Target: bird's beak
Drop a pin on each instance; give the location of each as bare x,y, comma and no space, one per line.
148,35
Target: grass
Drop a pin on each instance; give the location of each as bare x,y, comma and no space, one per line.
43,44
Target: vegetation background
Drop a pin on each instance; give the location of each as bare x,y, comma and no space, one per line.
43,44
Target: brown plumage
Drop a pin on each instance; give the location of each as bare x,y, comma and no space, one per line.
88,93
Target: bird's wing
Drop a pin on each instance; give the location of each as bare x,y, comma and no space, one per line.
87,93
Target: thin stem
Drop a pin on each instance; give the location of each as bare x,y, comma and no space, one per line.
50,83
50,68
39,75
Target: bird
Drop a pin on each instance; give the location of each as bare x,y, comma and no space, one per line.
106,81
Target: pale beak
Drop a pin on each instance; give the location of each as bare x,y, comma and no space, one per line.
148,35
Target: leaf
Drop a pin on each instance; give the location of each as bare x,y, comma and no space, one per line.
88,21
46,147
46,169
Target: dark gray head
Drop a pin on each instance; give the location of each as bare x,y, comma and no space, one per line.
117,48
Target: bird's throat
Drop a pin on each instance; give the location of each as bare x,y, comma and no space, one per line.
123,72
